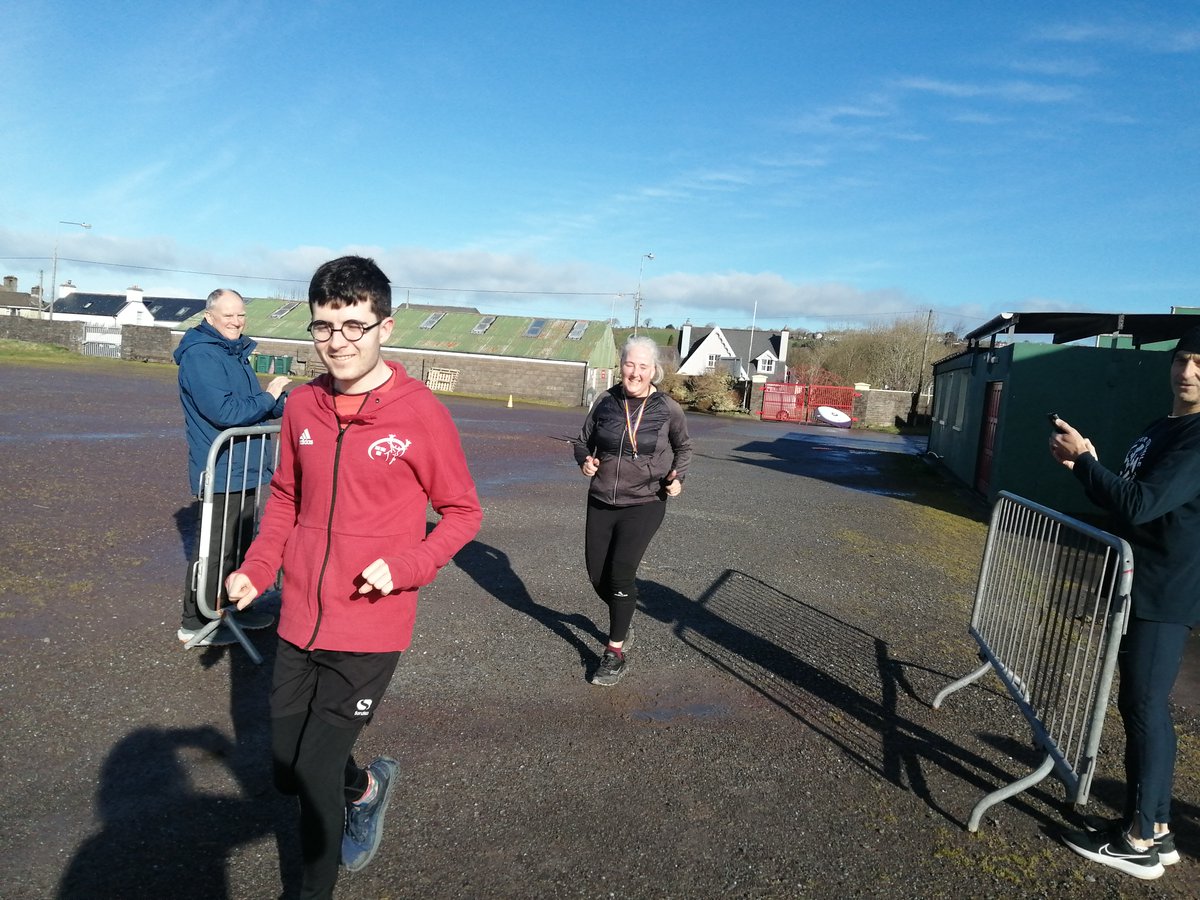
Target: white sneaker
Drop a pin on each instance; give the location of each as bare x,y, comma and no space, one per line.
218,637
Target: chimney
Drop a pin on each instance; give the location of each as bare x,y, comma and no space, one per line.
783,342
133,294
10,283
685,340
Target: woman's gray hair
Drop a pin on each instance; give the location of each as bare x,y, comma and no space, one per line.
646,344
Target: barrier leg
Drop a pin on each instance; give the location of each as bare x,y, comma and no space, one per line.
1011,790
202,633
237,630
961,683
240,634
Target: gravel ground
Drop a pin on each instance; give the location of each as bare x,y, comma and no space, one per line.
802,605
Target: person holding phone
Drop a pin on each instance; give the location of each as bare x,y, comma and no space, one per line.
1153,503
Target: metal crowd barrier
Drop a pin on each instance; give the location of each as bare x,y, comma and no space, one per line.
248,444
1050,610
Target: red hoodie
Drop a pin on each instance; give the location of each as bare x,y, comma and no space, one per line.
342,498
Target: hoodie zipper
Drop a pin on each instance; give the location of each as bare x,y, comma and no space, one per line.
337,455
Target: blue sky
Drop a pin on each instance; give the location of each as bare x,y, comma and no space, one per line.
837,163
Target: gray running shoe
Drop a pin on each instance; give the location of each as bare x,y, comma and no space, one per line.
364,823
612,667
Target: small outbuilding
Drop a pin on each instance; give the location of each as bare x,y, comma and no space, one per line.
991,401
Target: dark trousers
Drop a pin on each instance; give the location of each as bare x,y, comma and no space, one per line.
615,540
232,532
312,761
317,699
1150,656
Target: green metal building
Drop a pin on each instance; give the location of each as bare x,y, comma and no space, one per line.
991,401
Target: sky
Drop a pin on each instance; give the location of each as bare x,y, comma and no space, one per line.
813,165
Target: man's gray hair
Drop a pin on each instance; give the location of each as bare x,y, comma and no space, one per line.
217,295
646,344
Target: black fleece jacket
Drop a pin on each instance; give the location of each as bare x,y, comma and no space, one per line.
1155,505
663,445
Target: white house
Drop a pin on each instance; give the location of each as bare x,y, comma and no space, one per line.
742,352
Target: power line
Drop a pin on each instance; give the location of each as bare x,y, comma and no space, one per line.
273,278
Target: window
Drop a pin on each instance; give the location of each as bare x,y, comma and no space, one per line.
713,359
484,324
285,309
766,365
963,383
577,331
535,328
432,319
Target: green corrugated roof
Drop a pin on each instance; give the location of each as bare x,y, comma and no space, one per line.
505,336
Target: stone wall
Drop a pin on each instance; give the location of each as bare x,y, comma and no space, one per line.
878,408
148,343
43,331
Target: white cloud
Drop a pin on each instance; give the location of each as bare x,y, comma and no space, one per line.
1012,91
1150,38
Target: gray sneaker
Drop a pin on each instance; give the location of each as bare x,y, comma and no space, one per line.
364,823
612,667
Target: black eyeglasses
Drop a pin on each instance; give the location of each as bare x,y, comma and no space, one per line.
351,331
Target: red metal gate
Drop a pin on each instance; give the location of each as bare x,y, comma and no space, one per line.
799,402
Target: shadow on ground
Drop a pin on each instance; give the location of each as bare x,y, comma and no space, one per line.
176,802
835,678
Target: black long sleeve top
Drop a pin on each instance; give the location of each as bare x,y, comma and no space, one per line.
1154,504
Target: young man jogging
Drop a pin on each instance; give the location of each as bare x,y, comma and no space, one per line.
365,450
1154,503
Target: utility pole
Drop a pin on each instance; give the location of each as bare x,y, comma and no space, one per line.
637,298
54,268
912,410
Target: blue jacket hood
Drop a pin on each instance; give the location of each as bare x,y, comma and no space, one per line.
204,333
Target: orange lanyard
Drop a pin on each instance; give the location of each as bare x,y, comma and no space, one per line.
631,427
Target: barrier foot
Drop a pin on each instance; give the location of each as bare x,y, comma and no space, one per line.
961,683
202,633
240,634
1011,790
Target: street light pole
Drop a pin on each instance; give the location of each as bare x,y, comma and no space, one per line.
749,351
54,268
637,298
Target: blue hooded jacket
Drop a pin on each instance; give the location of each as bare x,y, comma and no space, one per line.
219,390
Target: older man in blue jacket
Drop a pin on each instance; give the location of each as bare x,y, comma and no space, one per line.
218,389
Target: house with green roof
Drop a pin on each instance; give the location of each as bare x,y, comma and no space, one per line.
456,350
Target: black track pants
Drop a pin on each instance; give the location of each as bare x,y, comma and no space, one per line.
1150,656
312,761
615,540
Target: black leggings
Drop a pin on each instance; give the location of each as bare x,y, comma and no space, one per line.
615,539
312,761
1150,656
